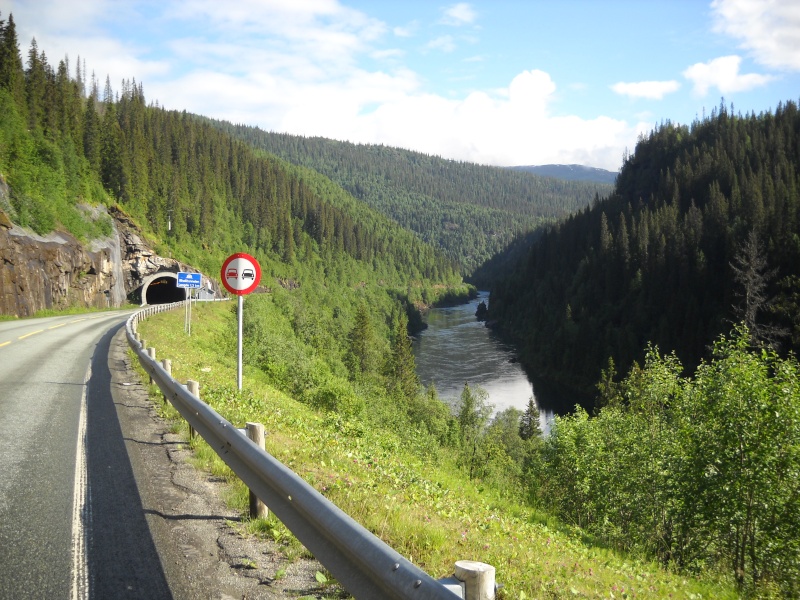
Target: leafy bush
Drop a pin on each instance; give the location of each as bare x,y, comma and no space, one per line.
701,472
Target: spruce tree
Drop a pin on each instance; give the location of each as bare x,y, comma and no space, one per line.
361,354
402,366
529,423
12,73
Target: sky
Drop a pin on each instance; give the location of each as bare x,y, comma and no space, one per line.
497,82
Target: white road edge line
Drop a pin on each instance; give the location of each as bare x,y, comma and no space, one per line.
81,507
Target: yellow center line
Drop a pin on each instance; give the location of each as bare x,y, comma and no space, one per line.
77,320
57,326
4,344
22,337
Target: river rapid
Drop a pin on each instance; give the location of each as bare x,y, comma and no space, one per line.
456,349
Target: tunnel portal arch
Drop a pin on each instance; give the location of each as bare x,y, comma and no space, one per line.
162,288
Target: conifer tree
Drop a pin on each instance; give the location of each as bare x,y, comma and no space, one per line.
402,366
752,276
12,73
35,87
529,422
361,354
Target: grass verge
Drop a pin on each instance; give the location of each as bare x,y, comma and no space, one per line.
422,506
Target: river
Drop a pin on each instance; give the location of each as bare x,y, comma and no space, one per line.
456,348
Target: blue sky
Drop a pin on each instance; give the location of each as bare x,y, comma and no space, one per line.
501,82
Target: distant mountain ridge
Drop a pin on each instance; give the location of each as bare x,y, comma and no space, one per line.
471,212
570,172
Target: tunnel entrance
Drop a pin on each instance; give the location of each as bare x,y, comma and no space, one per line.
162,289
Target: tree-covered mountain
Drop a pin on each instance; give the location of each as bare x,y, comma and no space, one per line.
702,231
470,211
571,172
198,192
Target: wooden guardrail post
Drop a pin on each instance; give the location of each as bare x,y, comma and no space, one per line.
478,579
167,364
255,433
194,389
151,352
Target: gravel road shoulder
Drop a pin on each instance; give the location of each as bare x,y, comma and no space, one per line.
202,555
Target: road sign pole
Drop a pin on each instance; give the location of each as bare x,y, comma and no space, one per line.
190,313
239,369
240,275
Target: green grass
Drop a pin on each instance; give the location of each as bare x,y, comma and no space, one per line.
424,507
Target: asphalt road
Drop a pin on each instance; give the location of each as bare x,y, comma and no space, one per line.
98,499
71,522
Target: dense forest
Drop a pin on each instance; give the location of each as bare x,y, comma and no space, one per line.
472,212
702,231
197,192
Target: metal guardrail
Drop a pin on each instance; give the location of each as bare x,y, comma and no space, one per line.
365,565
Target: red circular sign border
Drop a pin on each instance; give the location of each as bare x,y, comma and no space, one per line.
256,281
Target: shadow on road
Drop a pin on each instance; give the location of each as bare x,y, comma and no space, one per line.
123,561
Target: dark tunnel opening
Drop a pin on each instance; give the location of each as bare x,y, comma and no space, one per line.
164,290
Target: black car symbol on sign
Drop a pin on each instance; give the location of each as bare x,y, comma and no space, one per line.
248,274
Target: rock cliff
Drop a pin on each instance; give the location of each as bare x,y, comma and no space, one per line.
57,271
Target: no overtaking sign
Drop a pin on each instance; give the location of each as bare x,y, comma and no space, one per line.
240,274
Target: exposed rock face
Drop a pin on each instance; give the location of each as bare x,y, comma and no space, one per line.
57,271
54,271
139,261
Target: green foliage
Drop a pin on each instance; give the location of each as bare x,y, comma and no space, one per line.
529,427
401,367
473,415
701,473
470,211
658,260
199,193
398,482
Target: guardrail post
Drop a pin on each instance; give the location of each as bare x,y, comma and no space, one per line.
255,433
478,579
151,352
194,389
167,364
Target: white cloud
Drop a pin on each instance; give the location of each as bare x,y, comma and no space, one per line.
459,14
768,28
512,126
723,73
407,31
296,68
651,90
445,43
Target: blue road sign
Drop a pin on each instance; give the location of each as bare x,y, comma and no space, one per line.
188,280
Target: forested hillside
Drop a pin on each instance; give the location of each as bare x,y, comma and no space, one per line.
197,192
702,231
470,211
571,172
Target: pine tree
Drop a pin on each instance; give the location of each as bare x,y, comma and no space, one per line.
12,73
35,87
402,366
529,422
750,272
361,353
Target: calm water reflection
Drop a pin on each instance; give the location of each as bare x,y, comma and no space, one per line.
456,349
